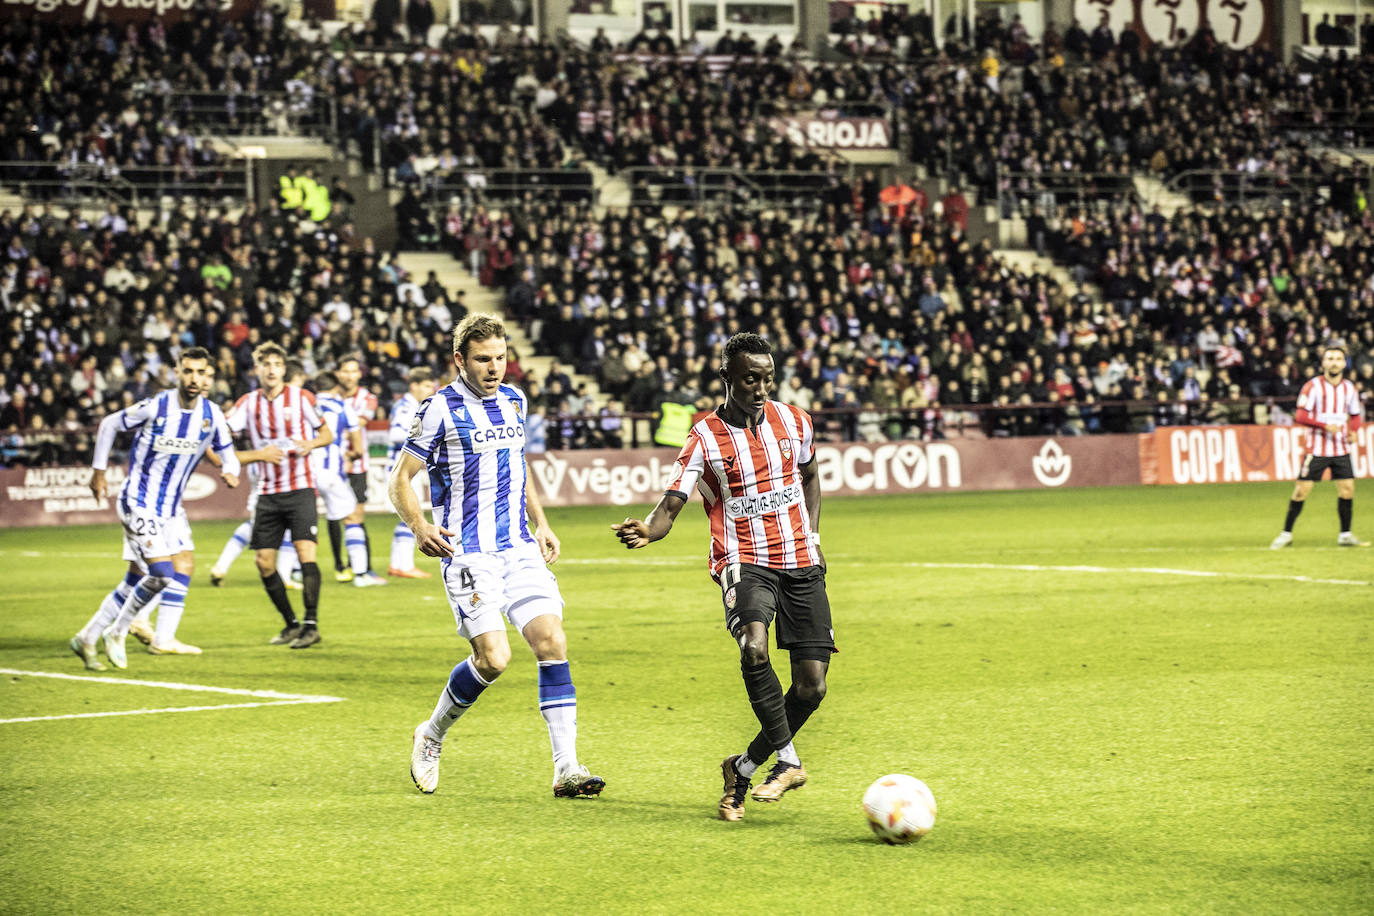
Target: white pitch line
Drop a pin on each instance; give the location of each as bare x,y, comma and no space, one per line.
149,712
277,698
1141,570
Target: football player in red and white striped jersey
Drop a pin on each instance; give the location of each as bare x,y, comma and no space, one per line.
282,415
753,460
1329,405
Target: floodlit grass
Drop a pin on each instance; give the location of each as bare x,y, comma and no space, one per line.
1119,736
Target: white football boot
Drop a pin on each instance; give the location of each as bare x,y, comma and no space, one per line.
424,760
1283,540
172,646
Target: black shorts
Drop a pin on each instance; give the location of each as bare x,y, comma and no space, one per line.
796,597
279,512
1314,466
359,484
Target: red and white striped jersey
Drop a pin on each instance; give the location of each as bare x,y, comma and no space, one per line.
1327,403
277,421
364,404
751,486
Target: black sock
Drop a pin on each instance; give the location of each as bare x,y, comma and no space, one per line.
310,592
1345,508
367,546
276,590
336,541
765,695
1294,509
797,714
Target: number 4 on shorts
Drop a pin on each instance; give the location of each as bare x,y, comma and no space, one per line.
465,579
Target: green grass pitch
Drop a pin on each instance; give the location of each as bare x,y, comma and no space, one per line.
1103,731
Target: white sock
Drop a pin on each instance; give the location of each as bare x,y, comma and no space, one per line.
234,546
356,544
558,706
745,766
789,755
287,560
173,606
402,548
109,609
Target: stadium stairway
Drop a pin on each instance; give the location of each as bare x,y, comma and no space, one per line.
454,277
612,192
1153,192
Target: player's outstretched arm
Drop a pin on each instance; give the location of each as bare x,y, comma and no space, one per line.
429,538
634,533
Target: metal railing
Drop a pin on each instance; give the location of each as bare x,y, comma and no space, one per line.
1245,189
276,113
79,183
710,188
476,186
1018,193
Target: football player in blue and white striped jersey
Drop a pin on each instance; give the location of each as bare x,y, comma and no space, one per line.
331,464
174,430
471,438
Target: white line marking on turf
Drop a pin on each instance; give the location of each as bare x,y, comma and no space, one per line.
275,697
1141,570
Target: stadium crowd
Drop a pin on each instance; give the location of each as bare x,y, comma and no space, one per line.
896,316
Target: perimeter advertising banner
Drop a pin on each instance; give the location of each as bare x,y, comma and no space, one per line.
1234,454
61,496
119,11
598,478
1237,24
1174,455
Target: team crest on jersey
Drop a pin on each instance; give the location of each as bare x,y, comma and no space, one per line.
205,426
785,446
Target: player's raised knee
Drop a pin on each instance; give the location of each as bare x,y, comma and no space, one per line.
490,661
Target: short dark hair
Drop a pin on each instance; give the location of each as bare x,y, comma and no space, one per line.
196,353
326,381
420,374
1337,347
294,368
351,358
745,342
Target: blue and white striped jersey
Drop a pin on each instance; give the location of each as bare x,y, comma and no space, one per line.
402,415
474,449
167,447
341,420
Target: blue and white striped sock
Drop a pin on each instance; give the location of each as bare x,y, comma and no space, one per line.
172,607
558,706
464,686
150,587
109,608
234,546
402,548
355,541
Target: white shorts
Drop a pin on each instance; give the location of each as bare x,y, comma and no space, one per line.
339,501
147,536
487,589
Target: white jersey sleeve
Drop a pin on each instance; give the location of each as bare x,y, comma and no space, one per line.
427,428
